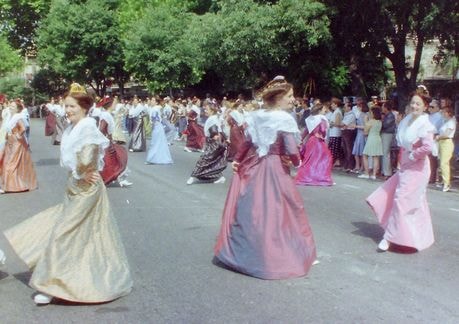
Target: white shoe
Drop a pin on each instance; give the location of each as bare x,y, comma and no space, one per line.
446,188
2,258
220,180
383,245
364,176
2,191
373,177
42,299
316,262
191,180
125,183
186,149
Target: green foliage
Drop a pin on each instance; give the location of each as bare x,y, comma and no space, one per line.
14,87
20,19
159,51
369,31
80,42
48,83
9,59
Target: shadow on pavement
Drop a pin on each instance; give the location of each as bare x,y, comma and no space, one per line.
23,277
373,231
3,275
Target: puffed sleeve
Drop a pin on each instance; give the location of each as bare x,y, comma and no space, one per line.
87,160
291,148
422,148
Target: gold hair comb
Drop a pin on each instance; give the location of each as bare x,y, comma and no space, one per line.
77,88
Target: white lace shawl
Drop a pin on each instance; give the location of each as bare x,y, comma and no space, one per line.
238,117
56,109
155,113
313,121
136,111
74,138
211,121
105,115
196,109
407,134
13,121
264,125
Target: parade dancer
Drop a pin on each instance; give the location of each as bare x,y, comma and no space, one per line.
59,113
50,120
158,152
236,133
74,249
167,115
195,133
137,142
115,157
119,112
265,232
212,161
400,204
317,161
16,168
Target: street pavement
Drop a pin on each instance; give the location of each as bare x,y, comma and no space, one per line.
169,230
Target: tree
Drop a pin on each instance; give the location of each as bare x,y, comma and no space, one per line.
14,87
384,27
79,40
20,19
48,83
159,50
247,42
9,58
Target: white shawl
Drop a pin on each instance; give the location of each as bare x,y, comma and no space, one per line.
105,115
74,138
211,121
238,117
407,134
313,121
264,125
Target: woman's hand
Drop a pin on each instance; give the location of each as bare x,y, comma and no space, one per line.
286,161
91,177
235,166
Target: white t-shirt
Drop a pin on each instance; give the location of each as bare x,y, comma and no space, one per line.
448,128
335,131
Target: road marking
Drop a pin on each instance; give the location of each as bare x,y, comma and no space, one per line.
454,209
351,186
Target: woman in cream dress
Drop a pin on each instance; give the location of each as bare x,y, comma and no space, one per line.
74,249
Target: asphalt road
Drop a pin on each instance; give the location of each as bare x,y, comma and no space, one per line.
169,229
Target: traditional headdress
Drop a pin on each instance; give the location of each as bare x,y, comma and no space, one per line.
77,88
274,87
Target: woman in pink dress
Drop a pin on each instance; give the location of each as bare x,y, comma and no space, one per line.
317,161
401,203
17,173
265,232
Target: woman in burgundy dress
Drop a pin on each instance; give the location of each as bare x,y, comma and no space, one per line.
116,157
237,136
265,232
317,161
195,133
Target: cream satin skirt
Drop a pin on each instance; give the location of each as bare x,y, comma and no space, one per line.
74,248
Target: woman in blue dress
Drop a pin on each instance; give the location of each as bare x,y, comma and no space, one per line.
360,111
158,152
